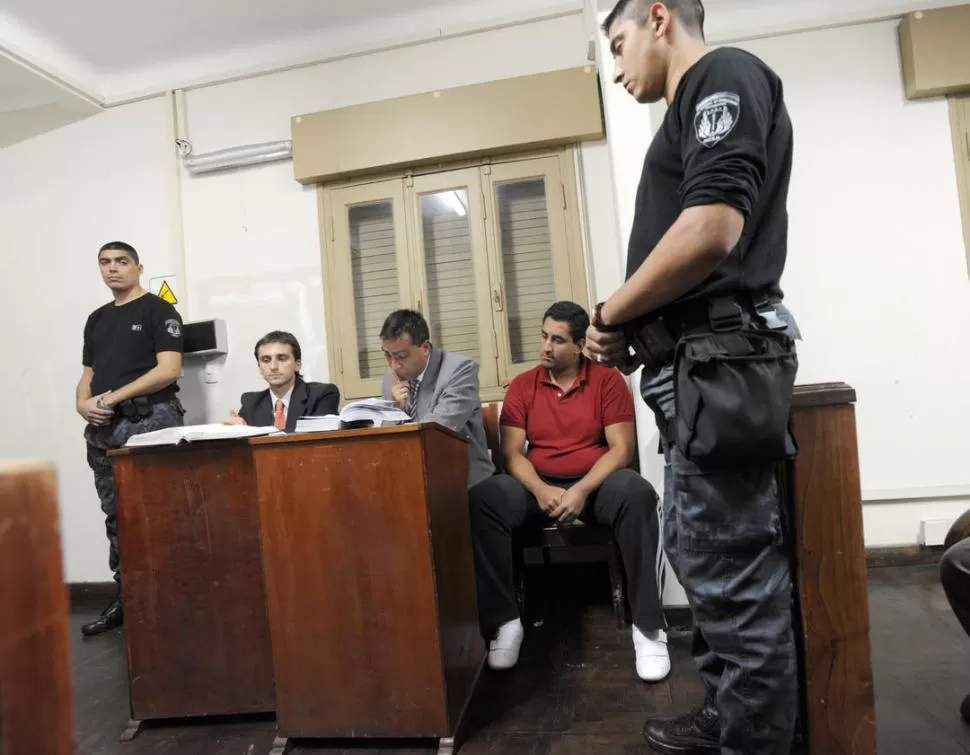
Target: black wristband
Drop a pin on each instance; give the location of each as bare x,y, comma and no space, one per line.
600,325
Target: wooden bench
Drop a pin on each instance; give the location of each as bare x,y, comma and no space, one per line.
592,542
36,705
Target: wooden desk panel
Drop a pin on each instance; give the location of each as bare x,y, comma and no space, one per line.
192,581
370,581
461,637
830,573
36,706
344,510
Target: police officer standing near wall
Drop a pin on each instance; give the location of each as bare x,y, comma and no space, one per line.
701,311
132,359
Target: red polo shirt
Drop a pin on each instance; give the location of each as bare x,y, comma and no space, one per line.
565,429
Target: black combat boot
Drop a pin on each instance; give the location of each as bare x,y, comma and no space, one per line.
112,616
697,733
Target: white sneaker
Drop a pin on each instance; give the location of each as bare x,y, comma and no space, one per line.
503,652
653,660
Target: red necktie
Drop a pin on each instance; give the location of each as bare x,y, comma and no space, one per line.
279,419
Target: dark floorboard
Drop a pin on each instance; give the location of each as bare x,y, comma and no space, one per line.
575,690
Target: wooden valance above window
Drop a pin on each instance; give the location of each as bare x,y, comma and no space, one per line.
498,117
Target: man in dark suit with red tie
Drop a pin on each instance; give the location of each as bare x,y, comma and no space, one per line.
288,397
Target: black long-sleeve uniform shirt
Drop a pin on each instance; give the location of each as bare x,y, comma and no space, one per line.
725,139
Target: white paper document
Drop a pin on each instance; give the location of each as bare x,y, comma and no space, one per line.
172,436
371,412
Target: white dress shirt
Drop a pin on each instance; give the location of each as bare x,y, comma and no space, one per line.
285,398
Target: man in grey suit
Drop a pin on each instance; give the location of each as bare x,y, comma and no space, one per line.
432,385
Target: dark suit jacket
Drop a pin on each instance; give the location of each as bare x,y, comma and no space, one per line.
308,400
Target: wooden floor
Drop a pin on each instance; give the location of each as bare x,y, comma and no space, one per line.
575,690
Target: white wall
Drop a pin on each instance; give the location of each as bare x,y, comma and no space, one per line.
876,272
62,195
873,210
252,252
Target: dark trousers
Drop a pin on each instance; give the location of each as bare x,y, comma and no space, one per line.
955,576
103,438
501,506
724,538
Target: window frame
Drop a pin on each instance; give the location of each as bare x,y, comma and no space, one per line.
550,169
335,252
960,129
433,183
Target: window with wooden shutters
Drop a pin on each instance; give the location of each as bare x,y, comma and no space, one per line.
450,265
481,251
448,271
368,279
530,227
526,262
373,260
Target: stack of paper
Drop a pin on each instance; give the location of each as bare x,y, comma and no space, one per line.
371,412
318,424
172,436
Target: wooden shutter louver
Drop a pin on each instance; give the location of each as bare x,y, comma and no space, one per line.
527,263
376,291
450,275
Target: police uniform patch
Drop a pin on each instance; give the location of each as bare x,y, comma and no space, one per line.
715,117
174,328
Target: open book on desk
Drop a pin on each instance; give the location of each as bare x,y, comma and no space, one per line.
172,436
371,412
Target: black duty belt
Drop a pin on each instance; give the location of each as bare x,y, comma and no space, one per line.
141,406
654,337
150,400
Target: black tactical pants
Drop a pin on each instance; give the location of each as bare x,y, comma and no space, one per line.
501,506
103,438
723,535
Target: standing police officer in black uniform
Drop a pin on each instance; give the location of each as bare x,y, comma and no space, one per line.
701,311
132,359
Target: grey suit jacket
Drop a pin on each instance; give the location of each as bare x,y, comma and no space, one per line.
449,396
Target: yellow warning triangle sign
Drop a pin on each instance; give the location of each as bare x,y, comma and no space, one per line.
165,293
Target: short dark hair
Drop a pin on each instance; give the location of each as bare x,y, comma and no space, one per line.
120,246
280,336
690,13
406,322
573,315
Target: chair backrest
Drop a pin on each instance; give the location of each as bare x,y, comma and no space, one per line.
490,417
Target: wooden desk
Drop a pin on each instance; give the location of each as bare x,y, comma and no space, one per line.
830,574
36,706
192,581
369,582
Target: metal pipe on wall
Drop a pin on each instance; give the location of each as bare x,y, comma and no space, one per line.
177,124
238,157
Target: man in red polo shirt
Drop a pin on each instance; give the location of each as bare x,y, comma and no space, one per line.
576,418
